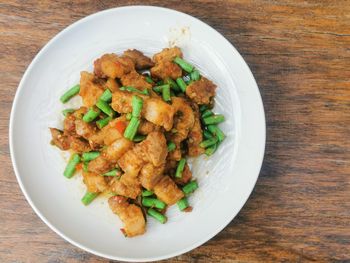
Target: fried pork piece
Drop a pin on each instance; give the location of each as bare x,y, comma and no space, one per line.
140,60
112,66
201,91
147,127
59,139
90,89
183,123
130,214
186,176
116,150
95,183
100,165
112,85
150,175
127,185
167,191
195,136
166,69
83,129
135,80
151,150
154,110
108,134
167,54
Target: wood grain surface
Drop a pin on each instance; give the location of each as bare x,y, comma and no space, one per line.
299,52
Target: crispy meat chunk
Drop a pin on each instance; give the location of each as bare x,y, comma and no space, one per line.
112,84
147,127
130,214
201,91
95,183
112,66
100,165
186,176
150,175
167,191
140,60
108,134
195,136
59,139
166,69
114,151
90,90
135,80
167,54
127,185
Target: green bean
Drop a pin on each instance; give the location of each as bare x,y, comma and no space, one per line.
89,156
85,166
131,129
70,168
180,168
183,64
65,112
210,150
209,142
91,114
181,84
88,198
70,93
106,96
172,84
137,104
215,130
171,146
103,122
139,138
156,215
207,134
104,106
215,119
146,193
113,172
159,89
149,79
132,89
190,187
207,113
195,75
183,204
166,93
202,108
153,202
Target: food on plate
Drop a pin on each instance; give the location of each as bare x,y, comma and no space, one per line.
140,119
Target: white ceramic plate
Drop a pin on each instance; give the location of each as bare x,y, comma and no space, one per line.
226,179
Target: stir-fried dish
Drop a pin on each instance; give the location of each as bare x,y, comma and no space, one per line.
140,120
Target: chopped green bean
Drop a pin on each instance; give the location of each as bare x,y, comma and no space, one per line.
149,79
195,75
183,64
159,89
209,142
106,96
156,215
216,131
181,83
103,122
207,113
207,134
203,108
104,106
215,119
180,168
190,187
172,84
210,150
139,138
137,104
70,168
91,114
166,93
65,112
88,198
131,129
89,156
171,146
70,93
146,193
153,202
113,172
132,89
85,166
183,204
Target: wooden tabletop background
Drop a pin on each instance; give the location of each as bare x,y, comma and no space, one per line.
299,53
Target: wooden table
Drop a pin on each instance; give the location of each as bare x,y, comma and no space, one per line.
299,52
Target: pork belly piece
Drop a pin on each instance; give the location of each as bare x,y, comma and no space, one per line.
127,185
201,91
167,54
195,135
130,214
90,90
140,60
165,70
95,183
167,191
135,80
112,66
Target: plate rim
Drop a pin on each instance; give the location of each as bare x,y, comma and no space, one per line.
11,142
